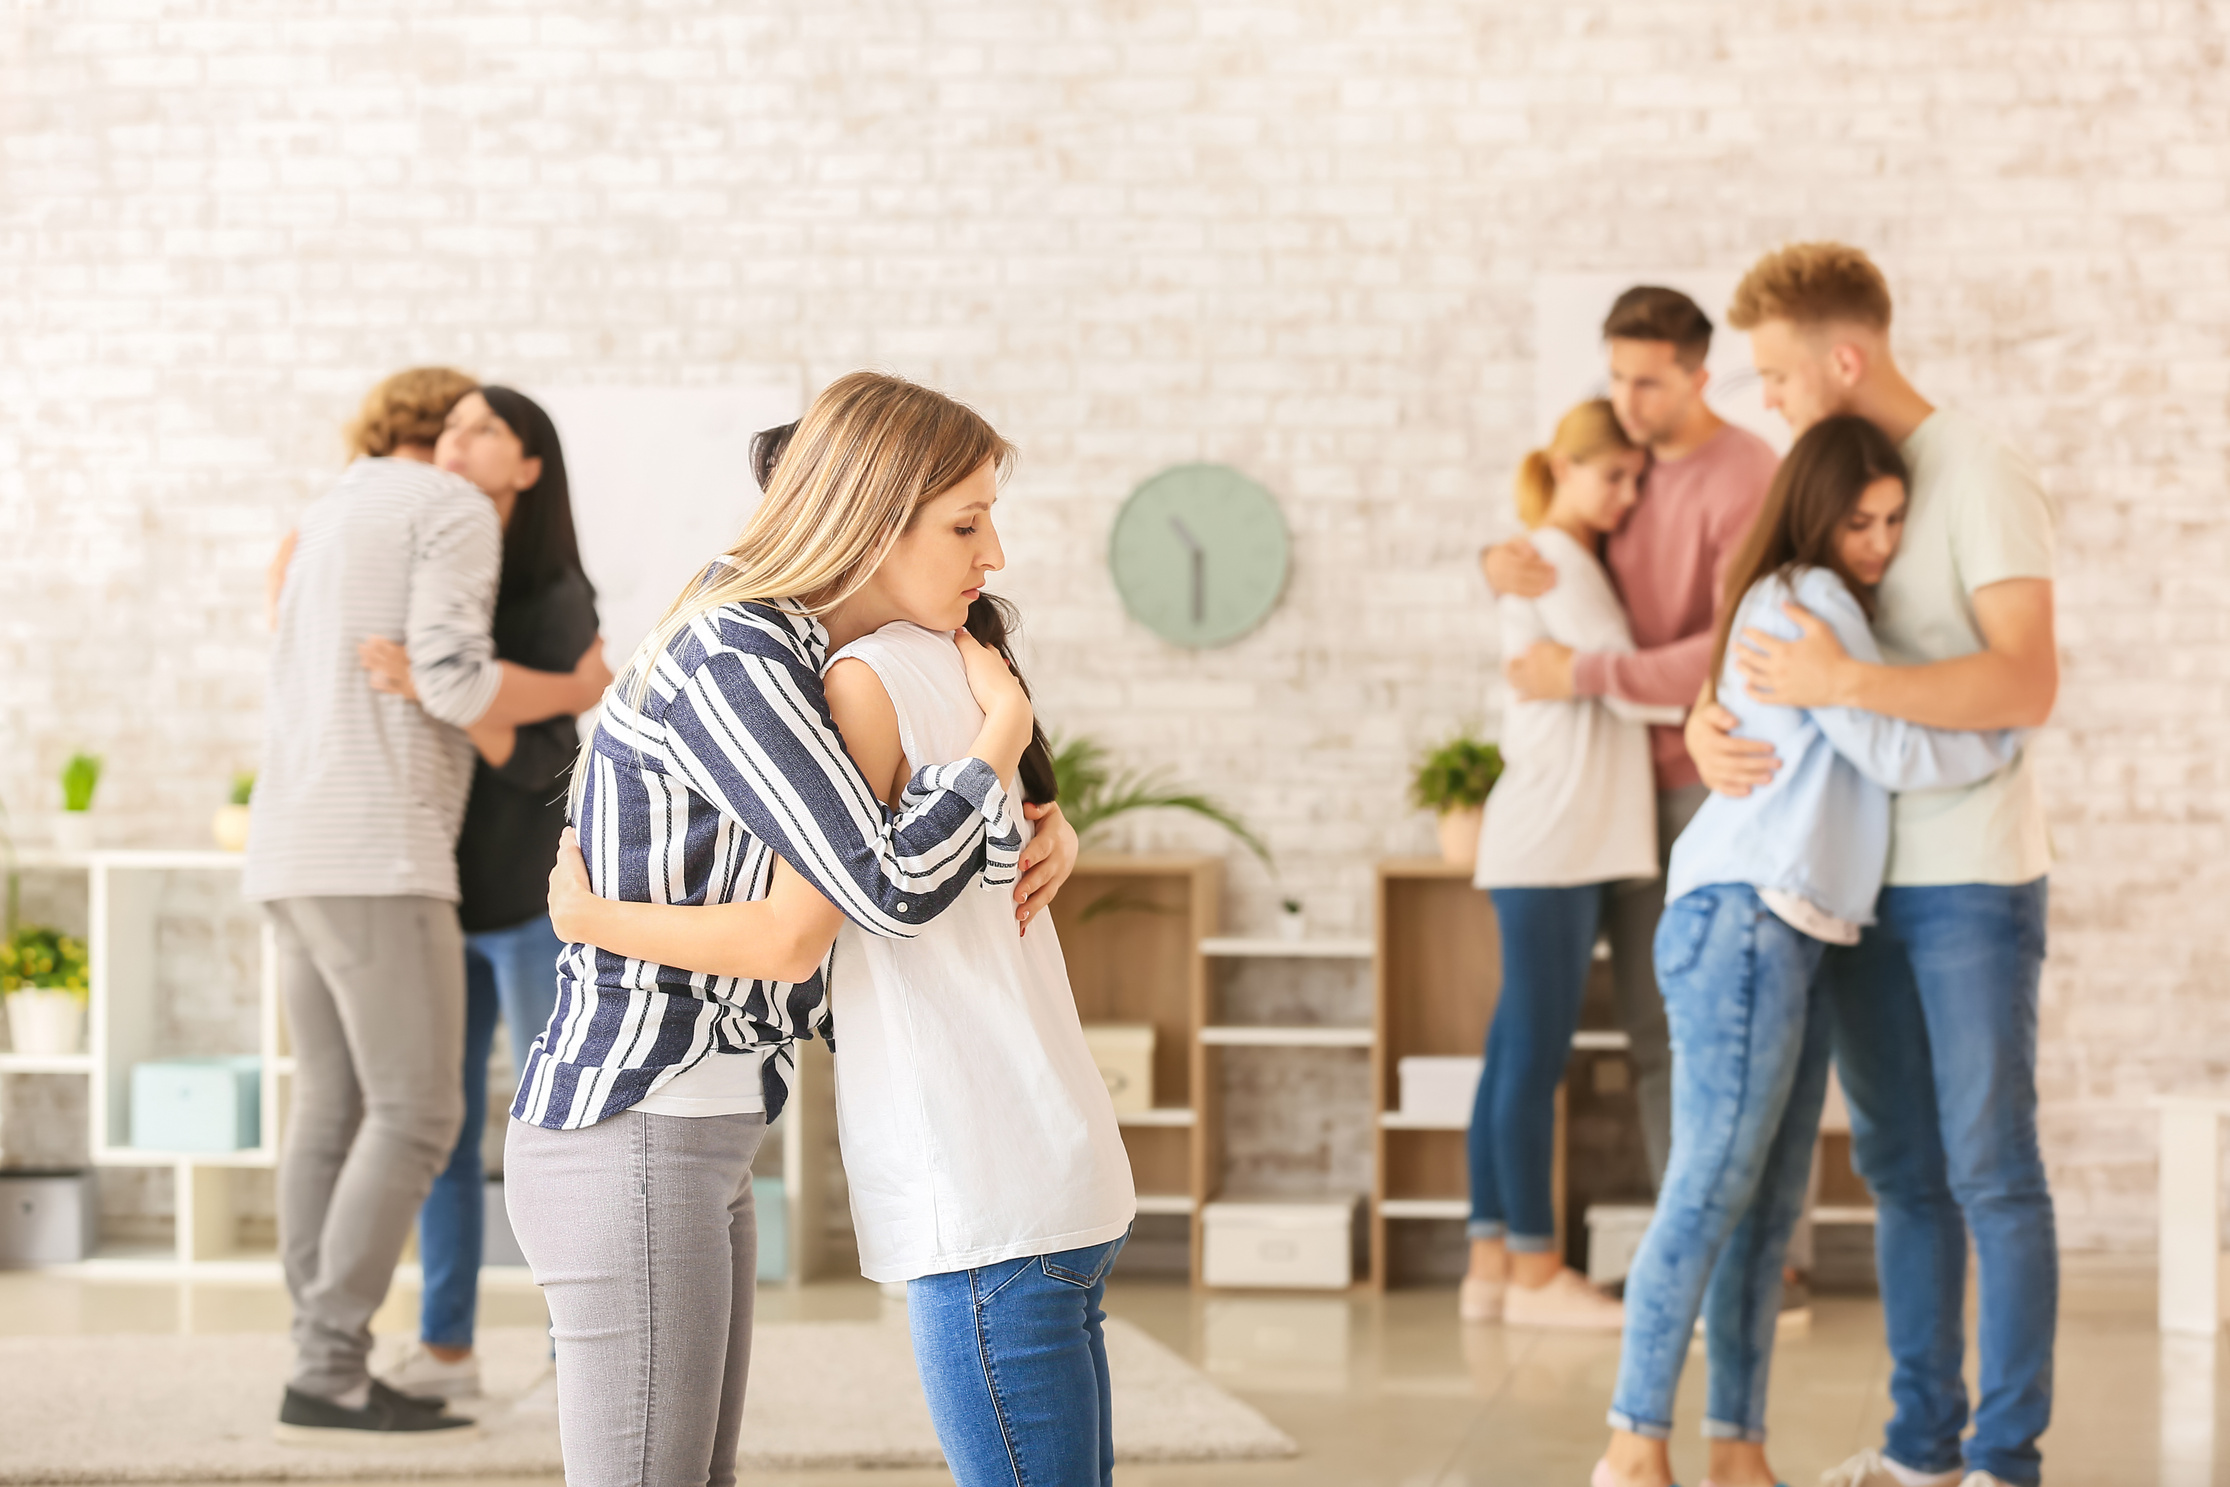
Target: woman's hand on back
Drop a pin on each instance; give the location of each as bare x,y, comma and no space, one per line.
998,691
389,665
1730,766
572,902
1046,862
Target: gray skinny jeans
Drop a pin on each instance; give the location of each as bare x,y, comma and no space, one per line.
1632,926
375,1004
641,1234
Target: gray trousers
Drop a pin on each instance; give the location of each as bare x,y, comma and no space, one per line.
641,1234
1632,926
374,990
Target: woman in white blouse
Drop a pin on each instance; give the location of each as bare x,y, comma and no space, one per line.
1573,814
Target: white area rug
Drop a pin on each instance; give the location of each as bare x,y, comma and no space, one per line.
823,1394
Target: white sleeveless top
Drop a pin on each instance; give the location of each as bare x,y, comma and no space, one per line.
975,1127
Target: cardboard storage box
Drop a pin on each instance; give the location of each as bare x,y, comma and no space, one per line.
1614,1233
197,1104
1439,1089
1264,1242
1124,1054
47,1218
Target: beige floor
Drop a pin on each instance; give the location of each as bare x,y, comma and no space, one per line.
1390,1390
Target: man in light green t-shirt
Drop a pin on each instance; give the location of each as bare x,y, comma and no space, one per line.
1936,1008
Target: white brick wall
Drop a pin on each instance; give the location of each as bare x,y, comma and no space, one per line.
1294,236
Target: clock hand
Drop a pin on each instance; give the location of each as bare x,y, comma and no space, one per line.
1199,567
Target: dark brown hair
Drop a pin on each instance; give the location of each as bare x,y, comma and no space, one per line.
539,543
766,449
1811,284
993,622
1811,497
1650,312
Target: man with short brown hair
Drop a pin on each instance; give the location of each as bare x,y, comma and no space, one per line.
354,856
1705,483
1935,1008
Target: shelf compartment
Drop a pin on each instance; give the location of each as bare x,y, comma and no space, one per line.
1230,1036
1224,947
1166,1204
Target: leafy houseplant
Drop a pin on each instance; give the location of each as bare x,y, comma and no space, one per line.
73,830
1453,781
1093,792
44,976
230,826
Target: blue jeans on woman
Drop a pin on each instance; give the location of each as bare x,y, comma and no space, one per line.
513,971
1935,1031
1548,942
1015,1367
1744,1000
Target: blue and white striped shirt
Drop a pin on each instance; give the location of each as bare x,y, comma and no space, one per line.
732,760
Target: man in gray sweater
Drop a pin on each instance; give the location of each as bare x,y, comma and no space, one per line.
354,855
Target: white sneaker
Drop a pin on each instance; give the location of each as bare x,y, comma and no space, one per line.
1872,1469
1984,1479
1567,1303
421,1374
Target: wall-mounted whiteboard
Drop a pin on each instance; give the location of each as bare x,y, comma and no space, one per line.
661,481
1569,365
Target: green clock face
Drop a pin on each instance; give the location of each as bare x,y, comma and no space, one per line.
1199,554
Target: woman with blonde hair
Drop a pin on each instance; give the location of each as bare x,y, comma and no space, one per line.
717,776
1573,815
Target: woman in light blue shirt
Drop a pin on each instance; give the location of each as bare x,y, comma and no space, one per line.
1758,889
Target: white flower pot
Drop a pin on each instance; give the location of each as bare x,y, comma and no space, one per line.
73,831
1293,924
230,827
1459,835
46,1024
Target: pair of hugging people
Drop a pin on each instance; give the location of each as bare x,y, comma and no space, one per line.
1778,938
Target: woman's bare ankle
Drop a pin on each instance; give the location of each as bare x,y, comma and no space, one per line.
1740,1464
1490,1261
1534,1268
1638,1461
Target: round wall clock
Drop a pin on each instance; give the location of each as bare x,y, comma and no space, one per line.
1199,554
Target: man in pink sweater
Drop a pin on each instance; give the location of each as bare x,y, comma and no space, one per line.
1706,481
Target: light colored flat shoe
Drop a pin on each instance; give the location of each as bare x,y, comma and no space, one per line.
1567,1303
1602,1476
1480,1300
1870,1468
421,1375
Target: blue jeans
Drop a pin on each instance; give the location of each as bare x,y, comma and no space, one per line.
515,971
1935,1033
1015,1368
1548,942
1745,1002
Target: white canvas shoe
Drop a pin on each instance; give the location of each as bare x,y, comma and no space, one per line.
1984,1479
1870,1468
1480,1300
423,1376
1567,1303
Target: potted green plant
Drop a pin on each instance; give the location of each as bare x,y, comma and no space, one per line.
1293,919
230,825
1093,792
1452,781
73,829
43,975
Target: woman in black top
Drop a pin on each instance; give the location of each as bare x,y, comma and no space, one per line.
545,618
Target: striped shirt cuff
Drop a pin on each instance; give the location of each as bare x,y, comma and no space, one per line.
973,781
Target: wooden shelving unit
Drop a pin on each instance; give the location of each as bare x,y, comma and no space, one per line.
1131,931
1438,972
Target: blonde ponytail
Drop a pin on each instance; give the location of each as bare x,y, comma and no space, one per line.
1589,429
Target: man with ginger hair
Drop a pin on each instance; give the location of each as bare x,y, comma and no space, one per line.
353,855
1705,483
1936,1008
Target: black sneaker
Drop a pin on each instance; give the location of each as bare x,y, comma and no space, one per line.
387,1419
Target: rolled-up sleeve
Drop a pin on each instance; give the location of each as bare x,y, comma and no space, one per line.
752,733
452,608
